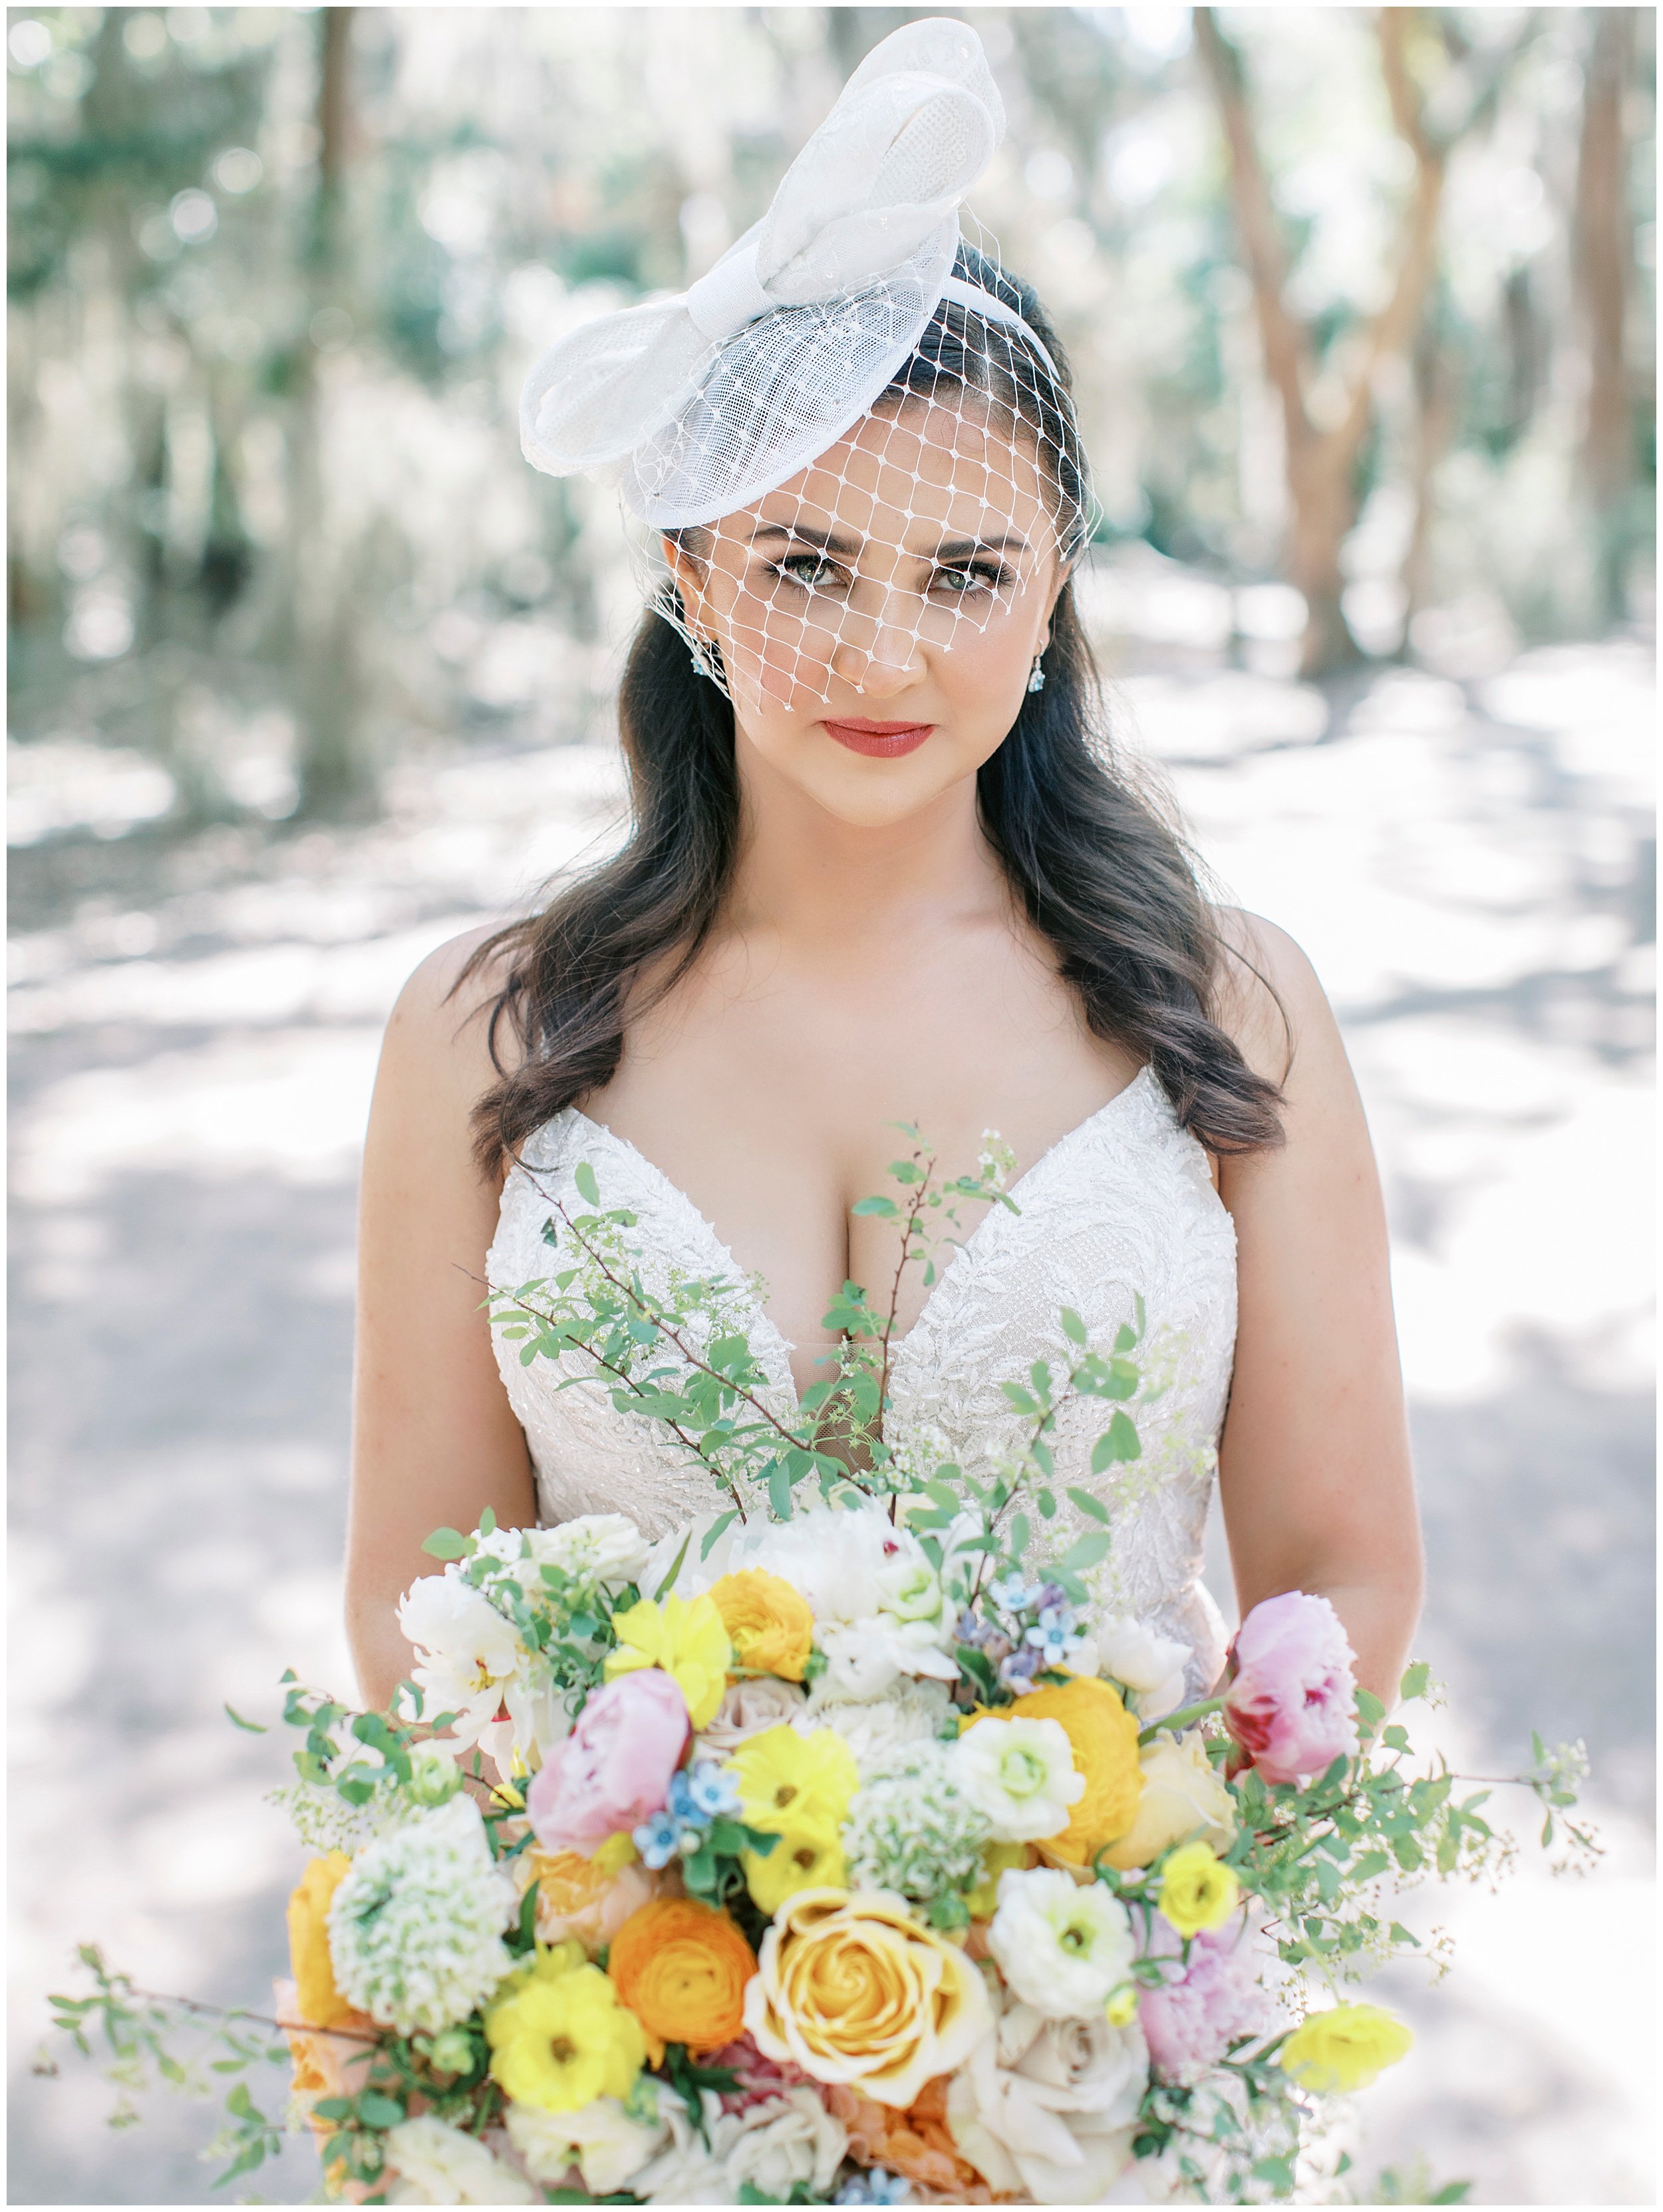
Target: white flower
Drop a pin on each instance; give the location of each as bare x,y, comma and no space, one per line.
609,2147
787,2142
690,2170
914,1830
1060,1947
1049,2108
438,2165
596,1547
877,1731
761,1702
1150,1667
416,1929
774,2146
467,1652
854,1568
1022,1775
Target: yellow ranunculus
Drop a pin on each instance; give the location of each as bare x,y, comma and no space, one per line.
770,1624
1345,2048
561,2037
808,1856
854,1990
320,2003
1197,1890
789,1781
1183,1795
1103,1737
1121,2008
688,1641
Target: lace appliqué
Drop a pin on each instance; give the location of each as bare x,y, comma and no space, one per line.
1123,1205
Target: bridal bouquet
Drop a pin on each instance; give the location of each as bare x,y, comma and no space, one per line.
837,1848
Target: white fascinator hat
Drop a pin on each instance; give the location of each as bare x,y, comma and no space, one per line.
699,404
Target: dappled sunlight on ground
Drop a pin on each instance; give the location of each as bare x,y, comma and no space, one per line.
1464,857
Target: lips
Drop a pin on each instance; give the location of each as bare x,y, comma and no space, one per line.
881,740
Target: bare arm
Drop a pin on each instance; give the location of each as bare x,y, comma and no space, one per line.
1314,1472
435,1440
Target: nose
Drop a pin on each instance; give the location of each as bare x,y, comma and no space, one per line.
890,662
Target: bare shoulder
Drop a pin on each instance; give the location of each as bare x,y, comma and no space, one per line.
443,1050
1270,999
443,1013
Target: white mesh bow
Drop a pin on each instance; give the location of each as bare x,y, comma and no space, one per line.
703,402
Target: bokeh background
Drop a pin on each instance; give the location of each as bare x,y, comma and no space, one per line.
309,671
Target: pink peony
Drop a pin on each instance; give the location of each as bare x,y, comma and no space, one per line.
1211,1999
1290,1706
613,1771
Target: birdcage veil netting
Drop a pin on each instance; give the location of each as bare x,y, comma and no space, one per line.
846,446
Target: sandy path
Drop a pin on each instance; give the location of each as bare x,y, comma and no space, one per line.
1463,864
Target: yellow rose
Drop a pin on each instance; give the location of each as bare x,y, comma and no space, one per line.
790,1781
770,1624
1345,2048
687,1641
856,1991
809,1856
1197,1890
320,2003
581,1898
1183,1794
1103,1737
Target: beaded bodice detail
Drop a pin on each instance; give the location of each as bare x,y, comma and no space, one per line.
1122,1206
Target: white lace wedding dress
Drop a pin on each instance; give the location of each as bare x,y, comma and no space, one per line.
1122,1204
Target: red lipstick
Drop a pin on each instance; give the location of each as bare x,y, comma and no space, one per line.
883,740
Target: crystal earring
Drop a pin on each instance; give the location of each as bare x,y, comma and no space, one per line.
1037,677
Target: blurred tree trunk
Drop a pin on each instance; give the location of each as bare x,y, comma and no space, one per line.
334,777
1435,429
1323,454
1602,245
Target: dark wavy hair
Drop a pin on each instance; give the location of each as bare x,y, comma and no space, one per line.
1098,872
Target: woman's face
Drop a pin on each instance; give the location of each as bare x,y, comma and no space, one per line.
878,615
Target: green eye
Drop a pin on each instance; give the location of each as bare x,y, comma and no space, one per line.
821,571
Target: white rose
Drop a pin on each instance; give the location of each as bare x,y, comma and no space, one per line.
601,2140
596,1547
688,2170
438,2165
1184,1795
1150,1667
910,1712
762,1701
467,1652
791,2140
1049,2107
1060,1947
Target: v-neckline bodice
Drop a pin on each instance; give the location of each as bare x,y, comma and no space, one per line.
776,1347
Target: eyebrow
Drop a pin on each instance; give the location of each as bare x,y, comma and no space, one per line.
831,541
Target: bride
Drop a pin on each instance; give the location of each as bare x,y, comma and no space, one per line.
885,866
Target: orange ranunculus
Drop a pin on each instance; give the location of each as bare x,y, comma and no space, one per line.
770,1624
326,2063
681,1968
321,2003
1103,1736
917,2143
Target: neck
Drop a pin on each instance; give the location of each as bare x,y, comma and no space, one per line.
812,879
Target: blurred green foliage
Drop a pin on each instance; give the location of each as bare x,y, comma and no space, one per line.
276,275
